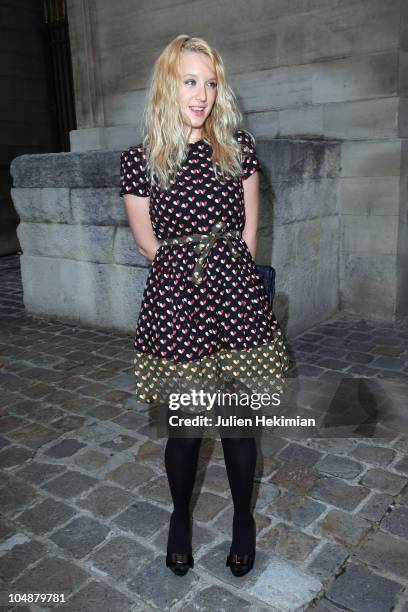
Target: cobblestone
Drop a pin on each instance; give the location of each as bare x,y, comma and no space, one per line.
45,516
80,536
385,552
328,560
296,508
360,589
19,558
288,542
382,480
346,528
342,467
70,484
338,493
85,499
375,507
90,598
396,522
121,558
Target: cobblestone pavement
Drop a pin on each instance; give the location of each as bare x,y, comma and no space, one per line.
85,502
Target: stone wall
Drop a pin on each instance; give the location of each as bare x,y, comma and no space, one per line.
80,262
329,69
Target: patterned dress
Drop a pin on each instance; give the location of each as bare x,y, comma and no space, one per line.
204,320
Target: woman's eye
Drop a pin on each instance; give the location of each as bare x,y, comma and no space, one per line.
213,84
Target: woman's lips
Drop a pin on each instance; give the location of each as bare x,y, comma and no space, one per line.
199,112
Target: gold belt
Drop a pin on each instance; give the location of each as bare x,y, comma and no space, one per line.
204,246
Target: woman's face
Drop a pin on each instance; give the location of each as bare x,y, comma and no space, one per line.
197,91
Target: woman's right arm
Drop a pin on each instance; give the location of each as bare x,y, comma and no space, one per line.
137,210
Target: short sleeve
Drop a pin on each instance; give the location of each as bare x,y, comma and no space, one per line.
133,175
250,162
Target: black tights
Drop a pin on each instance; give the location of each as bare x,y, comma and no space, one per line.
181,459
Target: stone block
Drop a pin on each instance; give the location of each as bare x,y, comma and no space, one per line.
361,589
91,460
19,557
376,506
39,204
154,585
284,586
90,597
16,495
338,493
80,536
142,519
386,553
299,201
278,87
157,490
288,542
374,454
70,484
396,522
377,159
376,196
303,121
328,560
65,448
384,481
119,443
303,455
369,280
361,119
216,598
83,292
98,206
372,234
131,474
46,516
263,124
14,455
295,478
342,467
54,574
106,501
121,558
76,242
346,528
297,509
355,78
265,493
71,170
34,435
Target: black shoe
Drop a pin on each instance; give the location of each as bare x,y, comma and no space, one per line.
240,564
179,563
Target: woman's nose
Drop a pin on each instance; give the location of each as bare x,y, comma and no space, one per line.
201,93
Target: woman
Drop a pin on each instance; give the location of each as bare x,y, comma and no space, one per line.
191,197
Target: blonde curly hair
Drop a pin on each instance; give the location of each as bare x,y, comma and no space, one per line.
165,142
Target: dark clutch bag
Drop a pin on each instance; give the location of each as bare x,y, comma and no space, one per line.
267,274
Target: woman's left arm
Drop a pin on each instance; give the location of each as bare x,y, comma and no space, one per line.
251,200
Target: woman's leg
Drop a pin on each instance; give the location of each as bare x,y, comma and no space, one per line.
240,460
181,459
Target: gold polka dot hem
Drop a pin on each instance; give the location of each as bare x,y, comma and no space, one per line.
260,369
